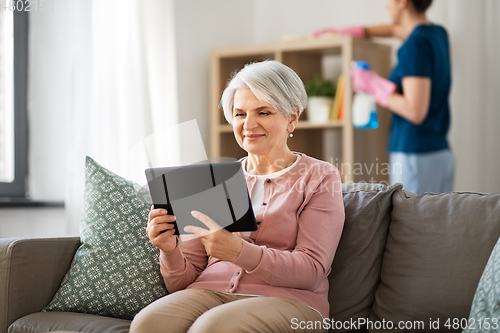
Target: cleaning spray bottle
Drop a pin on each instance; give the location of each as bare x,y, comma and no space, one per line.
364,107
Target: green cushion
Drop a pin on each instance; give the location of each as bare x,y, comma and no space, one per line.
485,312
116,271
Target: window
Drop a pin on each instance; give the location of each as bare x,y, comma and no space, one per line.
13,89
7,97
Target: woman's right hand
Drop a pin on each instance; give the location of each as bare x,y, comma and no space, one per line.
161,230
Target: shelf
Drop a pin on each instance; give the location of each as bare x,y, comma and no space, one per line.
330,124
330,141
323,45
331,45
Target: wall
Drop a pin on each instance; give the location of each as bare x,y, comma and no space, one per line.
202,25
475,31
32,222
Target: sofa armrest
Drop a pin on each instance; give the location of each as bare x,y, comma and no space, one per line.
31,271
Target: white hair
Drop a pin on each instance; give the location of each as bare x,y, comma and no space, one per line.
272,83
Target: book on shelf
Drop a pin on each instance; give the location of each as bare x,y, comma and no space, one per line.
339,100
341,107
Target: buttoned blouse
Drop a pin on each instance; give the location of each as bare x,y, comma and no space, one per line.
290,254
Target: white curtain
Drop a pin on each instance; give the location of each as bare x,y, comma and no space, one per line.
474,29
123,87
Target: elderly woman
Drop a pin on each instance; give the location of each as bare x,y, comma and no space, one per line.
273,279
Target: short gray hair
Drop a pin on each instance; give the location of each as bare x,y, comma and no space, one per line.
271,82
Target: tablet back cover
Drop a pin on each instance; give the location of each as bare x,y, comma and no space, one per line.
217,190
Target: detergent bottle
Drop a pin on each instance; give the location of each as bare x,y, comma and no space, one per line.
364,107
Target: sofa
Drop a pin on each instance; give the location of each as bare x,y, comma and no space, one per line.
405,263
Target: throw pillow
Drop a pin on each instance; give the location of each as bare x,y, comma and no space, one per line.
356,268
436,251
116,270
485,312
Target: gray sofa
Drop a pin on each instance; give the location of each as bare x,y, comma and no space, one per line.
403,259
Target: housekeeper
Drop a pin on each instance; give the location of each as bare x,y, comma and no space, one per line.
274,279
417,94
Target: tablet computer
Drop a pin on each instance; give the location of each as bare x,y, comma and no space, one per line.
218,190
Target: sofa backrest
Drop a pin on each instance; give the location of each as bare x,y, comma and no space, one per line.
436,251
356,267
411,258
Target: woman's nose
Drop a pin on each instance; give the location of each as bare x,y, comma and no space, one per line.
250,123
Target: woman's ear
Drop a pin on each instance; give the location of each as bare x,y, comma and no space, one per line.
294,119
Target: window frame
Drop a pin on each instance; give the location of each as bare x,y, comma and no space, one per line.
17,188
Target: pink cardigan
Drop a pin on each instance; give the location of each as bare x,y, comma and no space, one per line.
290,255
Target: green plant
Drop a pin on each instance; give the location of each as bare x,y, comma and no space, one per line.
320,87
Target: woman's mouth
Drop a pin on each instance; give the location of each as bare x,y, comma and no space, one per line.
253,137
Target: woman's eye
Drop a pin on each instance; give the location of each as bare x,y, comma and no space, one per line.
238,114
265,113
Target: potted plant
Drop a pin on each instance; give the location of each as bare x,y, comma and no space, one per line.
320,95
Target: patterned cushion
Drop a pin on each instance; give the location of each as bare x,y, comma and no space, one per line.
485,311
116,270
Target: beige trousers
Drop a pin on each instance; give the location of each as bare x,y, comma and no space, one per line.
200,310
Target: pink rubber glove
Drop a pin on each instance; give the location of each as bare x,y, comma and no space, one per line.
351,31
370,82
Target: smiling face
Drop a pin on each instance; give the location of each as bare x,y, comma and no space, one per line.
258,127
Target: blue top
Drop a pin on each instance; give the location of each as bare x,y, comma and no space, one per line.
425,53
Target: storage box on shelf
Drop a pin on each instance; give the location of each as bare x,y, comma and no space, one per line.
359,154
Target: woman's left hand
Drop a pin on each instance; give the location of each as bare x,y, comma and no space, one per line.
218,242
370,82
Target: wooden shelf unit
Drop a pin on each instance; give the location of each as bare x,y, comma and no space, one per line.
360,155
